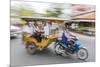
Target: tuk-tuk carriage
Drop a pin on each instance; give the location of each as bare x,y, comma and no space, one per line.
31,43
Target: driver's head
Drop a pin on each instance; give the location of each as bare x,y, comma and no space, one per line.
67,25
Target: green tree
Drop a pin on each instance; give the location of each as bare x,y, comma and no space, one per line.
25,12
55,10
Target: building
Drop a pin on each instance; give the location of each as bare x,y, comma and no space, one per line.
83,15
85,20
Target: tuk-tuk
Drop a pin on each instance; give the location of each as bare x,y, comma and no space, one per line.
31,43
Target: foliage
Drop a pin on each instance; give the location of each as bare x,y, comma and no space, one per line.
54,11
25,12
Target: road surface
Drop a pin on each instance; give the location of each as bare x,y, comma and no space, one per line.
20,57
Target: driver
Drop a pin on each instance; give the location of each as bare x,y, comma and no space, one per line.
66,37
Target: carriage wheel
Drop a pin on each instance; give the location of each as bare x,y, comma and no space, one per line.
31,49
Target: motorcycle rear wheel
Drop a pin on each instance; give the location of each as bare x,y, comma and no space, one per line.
59,50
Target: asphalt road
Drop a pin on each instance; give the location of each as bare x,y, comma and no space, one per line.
20,57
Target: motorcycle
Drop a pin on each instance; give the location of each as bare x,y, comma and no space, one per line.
71,47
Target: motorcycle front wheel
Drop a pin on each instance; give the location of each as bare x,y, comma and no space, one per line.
82,54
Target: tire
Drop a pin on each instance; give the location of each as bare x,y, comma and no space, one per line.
82,54
31,49
57,47
59,50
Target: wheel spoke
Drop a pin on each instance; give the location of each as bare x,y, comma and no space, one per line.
82,54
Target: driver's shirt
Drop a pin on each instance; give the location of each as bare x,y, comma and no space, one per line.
28,30
66,33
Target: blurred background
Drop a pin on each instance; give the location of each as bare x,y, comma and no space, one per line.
80,19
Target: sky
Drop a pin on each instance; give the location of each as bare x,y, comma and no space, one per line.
37,6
